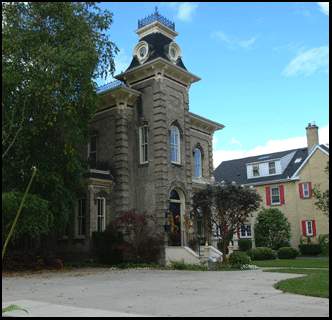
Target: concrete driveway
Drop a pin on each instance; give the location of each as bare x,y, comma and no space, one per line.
106,292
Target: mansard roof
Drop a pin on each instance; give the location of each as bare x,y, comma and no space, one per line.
158,45
236,170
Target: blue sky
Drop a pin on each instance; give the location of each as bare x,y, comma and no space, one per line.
264,67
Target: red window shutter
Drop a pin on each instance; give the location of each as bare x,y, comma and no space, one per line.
301,190
268,196
313,227
238,231
304,228
226,231
282,196
309,186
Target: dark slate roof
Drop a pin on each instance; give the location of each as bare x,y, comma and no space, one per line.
236,170
158,45
104,176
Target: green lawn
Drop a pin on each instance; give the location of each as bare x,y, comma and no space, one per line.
293,263
316,284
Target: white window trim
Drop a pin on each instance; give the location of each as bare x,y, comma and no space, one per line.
272,203
143,145
198,164
245,231
307,228
103,215
275,170
305,190
77,221
177,146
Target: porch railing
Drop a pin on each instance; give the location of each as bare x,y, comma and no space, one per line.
191,241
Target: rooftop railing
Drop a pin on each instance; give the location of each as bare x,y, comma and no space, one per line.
156,17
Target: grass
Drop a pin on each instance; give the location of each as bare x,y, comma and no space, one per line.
293,263
315,284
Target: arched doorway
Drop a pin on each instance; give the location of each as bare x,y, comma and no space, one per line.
176,199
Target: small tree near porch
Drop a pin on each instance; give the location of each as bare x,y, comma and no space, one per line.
228,205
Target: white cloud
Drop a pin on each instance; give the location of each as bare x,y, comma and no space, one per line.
186,11
232,43
234,141
271,147
308,62
324,7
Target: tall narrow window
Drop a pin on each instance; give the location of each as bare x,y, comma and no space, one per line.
272,167
198,163
80,220
143,141
93,152
305,188
175,144
275,195
101,214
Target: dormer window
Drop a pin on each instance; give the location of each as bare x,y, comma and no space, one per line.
255,170
272,167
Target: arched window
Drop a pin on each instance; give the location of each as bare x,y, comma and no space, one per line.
198,163
175,144
143,141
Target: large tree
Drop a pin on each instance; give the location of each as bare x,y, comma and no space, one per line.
227,206
323,197
51,54
272,229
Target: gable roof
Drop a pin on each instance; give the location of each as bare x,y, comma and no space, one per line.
236,170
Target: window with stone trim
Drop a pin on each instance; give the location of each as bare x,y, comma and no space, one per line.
198,163
143,143
175,144
80,218
101,213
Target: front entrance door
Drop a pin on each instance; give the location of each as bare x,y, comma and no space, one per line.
175,209
176,203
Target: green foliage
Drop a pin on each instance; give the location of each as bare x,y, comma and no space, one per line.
272,229
288,253
323,198
262,253
231,205
324,243
181,265
35,215
239,257
13,307
310,249
106,245
51,54
245,244
30,260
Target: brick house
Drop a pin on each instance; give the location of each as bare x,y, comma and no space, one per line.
147,150
285,180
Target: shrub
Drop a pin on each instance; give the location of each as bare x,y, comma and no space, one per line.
245,244
106,246
30,260
288,253
324,243
239,257
262,253
272,229
310,249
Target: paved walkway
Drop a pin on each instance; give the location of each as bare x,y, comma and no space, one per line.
123,293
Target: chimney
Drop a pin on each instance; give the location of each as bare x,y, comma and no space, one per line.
312,135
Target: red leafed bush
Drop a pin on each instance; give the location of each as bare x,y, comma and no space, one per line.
30,260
